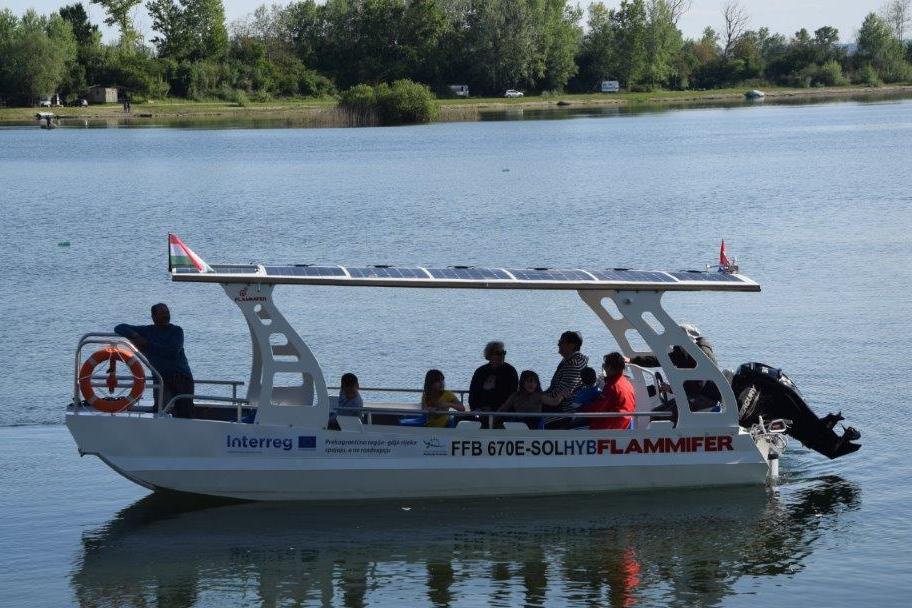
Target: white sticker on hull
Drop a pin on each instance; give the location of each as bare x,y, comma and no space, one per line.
309,445
589,447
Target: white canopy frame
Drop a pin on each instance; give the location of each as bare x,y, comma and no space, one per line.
633,307
278,349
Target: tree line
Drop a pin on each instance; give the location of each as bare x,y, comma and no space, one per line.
306,49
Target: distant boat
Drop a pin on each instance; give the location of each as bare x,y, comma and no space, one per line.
47,120
755,94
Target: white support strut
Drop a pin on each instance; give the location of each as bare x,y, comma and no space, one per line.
278,349
633,306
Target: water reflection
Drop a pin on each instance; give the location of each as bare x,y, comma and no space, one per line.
680,549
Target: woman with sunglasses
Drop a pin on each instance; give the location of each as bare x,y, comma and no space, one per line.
494,382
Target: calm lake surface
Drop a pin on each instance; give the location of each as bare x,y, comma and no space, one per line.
815,201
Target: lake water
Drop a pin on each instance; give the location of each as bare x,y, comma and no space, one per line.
815,201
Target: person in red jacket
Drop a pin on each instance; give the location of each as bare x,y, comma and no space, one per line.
617,396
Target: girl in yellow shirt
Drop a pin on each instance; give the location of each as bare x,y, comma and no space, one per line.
436,398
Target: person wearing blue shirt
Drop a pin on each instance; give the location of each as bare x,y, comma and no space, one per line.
163,345
588,389
349,396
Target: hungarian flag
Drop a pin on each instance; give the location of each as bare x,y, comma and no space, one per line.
723,259
181,256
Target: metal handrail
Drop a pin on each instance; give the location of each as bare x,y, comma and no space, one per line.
238,401
113,340
195,381
492,415
462,392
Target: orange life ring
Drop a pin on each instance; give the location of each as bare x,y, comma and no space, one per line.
111,405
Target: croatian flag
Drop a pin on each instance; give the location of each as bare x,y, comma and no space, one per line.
181,256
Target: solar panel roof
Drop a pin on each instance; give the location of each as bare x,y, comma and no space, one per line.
304,271
549,274
472,277
469,274
695,275
387,272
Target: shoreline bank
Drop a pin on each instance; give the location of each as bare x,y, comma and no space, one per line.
325,113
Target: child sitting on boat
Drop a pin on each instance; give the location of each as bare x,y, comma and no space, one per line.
349,395
587,391
527,398
436,398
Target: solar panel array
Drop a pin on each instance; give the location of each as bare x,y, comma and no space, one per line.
621,274
548,274
471,273
304,271
695,275
384,272
236,268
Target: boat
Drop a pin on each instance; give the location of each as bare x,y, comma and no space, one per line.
754,95
47,120
288,441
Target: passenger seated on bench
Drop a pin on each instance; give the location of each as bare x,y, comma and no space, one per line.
588,391
436,398
566,377
617,396
349,395
492,383
526,399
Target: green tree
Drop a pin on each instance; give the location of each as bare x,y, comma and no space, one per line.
629,41
189,29
118,12
38,55
85,32
596,56
565,36
879,48
663,44
502,44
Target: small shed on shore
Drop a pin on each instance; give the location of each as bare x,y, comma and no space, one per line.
101,94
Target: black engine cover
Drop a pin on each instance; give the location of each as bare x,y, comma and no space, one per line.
763,390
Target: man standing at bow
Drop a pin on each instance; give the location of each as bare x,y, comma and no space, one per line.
163,345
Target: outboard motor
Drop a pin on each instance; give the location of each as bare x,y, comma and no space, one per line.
765,391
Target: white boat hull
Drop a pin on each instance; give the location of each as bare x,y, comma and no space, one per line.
272,462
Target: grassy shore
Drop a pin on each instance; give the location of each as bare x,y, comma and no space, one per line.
323,112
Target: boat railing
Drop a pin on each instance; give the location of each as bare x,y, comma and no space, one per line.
212,402
111,340
153,379
369,412
100,382
461,393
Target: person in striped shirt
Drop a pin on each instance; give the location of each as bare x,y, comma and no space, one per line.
566,378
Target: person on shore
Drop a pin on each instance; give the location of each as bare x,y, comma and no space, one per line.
435,398
566,378
163,345
527,398
617,396
494,382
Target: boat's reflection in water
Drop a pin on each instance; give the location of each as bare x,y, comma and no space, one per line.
677,548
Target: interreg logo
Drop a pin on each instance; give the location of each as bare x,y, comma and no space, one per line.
283,444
